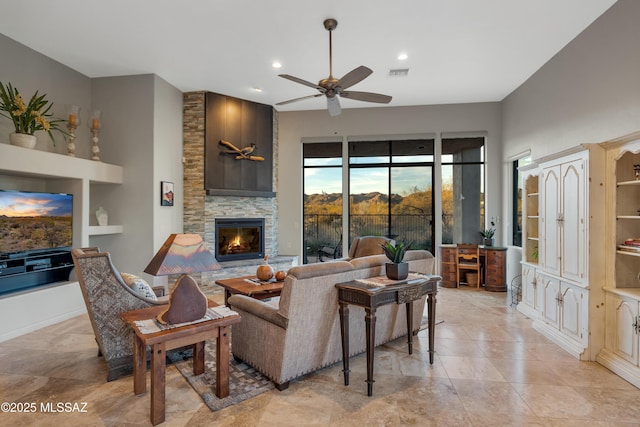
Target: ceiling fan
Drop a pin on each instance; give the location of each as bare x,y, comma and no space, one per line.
332,87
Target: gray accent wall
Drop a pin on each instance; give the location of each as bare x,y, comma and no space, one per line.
588,92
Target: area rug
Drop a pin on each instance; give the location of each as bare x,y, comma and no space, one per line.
244,381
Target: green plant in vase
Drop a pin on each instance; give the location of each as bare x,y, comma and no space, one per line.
487,235
27,118
397,269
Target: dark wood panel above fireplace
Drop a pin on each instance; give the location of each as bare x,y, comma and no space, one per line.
242,123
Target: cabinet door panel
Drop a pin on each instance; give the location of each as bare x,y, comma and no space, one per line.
550,214
624,339
529,294
571,312
572,225
549,288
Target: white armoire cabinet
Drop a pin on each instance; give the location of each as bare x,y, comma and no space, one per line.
563,220
562,273
622,235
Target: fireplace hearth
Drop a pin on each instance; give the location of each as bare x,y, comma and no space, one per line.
239,238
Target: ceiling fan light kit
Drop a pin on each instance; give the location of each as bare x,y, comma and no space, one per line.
333,88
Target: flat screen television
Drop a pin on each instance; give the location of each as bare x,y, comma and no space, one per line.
32,221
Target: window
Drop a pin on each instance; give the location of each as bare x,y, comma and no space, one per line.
462,189
391,190
517,200
322,202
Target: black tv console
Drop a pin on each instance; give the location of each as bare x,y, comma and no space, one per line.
26,270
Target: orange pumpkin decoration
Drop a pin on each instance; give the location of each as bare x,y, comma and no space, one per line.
265,271
280,275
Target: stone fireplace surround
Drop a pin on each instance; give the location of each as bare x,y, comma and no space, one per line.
200,210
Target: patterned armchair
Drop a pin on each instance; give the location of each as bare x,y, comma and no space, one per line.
106,295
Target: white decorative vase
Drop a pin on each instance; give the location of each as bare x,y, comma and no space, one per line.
22,140
102,216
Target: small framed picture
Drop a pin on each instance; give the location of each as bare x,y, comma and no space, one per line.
166,193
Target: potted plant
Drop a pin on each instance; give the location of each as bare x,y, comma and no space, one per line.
29,117
487,235
397,269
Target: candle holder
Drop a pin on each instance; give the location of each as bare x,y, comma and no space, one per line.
95,124
636,169
73,114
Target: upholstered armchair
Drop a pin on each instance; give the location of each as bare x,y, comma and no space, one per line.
106,295
367,245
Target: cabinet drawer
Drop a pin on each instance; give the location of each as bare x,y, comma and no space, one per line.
448,255
448,268
496,256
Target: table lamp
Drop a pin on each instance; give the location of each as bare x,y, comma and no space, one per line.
183,254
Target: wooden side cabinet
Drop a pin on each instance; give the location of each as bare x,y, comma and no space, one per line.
495,269
448,266
494,261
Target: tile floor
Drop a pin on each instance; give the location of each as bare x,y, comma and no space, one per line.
491,368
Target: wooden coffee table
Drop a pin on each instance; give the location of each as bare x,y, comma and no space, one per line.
242,286
194,334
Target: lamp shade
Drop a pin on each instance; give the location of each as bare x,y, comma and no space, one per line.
182,254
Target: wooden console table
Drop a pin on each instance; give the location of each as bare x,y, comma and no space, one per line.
494,267
194,334
371,296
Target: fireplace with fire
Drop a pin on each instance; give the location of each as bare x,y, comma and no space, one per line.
239,238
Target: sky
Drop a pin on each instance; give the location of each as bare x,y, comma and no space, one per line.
26,204
317,181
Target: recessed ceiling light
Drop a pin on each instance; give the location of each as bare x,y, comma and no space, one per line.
257,89
403,56
276,64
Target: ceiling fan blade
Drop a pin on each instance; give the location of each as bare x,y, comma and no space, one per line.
302,82
298,99
366,96
354,76
333,105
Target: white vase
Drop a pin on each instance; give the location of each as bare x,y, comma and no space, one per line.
102,216
22,140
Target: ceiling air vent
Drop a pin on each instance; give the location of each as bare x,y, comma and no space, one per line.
399,72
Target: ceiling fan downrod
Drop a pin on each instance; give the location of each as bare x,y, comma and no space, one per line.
330,25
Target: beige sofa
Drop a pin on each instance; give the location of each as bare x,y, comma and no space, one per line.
301,334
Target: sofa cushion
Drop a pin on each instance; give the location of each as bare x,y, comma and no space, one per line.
369,261
139,286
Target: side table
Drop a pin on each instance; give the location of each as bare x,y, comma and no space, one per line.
370,295
193,334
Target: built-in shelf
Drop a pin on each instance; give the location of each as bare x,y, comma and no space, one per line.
54,172
532,195
628,253
534,239
533,216
99,230
628,217
623,183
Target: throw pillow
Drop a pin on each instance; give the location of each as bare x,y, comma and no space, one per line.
139,286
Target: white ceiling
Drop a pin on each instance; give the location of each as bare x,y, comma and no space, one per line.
458,51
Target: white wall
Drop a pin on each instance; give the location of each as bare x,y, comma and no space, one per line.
484,118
